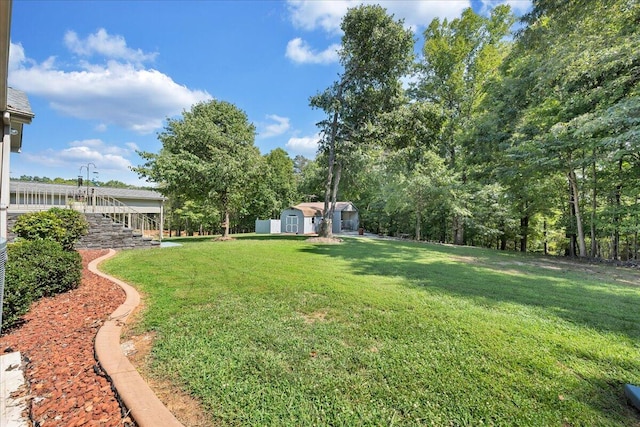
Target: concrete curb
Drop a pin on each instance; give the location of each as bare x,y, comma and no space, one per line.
13,409
144,406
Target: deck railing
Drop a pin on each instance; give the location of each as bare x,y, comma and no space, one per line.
122,214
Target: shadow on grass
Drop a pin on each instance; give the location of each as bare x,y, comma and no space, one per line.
607,308
252,236
247,236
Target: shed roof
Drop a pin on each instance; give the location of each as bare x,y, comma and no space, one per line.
316,208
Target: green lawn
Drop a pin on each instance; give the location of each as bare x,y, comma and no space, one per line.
278,331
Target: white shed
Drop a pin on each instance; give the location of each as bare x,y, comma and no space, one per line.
305,218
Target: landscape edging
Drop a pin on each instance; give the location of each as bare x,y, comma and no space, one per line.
144,406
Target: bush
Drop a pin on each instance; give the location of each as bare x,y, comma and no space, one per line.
37,268
43,263
64,226
74,224
54,269
39,225
18,293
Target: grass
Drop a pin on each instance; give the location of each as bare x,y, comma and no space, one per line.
278,331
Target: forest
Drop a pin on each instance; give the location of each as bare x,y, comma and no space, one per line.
510,133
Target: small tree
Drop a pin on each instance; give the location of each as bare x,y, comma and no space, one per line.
207,155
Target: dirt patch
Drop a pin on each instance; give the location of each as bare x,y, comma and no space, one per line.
137,348
464,259
223,239
599,271
325,240
316,316
186,409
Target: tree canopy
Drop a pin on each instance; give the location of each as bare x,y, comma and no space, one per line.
207,155
526,141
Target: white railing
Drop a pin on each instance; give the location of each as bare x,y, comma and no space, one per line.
27,198
122,214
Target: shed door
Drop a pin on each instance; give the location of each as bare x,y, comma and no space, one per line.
291,224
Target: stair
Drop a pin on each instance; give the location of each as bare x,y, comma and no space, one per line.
104,233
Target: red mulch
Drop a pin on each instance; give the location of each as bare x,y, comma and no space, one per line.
67,388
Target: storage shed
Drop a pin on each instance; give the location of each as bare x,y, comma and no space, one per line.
305,218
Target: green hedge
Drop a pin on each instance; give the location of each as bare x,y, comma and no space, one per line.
36,268
65,226
18,291
42,263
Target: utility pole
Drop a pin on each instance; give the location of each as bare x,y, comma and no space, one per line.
87,167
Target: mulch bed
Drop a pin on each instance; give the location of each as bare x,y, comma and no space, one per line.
66,385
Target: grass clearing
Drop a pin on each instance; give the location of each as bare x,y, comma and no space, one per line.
278,331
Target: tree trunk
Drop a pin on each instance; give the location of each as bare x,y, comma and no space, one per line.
573,181
418,225
571,235
326,227
546,243
616,219
524,232
225,224
458,230
594,206
635,237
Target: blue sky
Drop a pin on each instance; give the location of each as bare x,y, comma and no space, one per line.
102,76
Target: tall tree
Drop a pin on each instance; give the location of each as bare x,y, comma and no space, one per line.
207,154
576,66
376,52
281,178
459,58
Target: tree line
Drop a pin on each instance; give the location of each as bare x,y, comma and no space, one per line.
520,140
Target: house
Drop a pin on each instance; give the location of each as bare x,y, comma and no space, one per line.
305,218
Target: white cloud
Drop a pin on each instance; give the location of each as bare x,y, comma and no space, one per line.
104,156
299,51
519,7
16,55
327,15
115,93
109,46
306,146
280,126
132,146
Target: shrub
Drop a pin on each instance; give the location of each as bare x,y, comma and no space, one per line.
54,270
64,226
18,291
74,224
39,225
